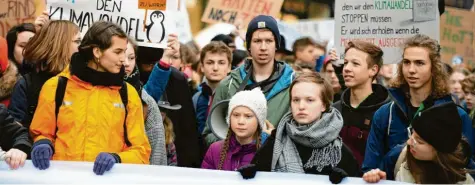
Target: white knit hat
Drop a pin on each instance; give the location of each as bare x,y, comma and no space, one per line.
254,100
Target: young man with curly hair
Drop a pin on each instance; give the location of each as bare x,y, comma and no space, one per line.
420,84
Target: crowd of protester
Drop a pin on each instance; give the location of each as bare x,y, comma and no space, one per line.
102,98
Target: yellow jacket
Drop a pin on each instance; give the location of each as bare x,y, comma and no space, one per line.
90,121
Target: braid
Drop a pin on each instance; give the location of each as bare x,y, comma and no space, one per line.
258,138
224,150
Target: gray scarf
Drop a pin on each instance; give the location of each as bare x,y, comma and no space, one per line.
322,136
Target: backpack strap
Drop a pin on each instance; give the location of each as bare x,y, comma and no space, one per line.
30,95
60,91
125,100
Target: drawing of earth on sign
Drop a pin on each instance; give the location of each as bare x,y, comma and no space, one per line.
156,29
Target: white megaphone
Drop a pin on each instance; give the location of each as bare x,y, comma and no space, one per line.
217,119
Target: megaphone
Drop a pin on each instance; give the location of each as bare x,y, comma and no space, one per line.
217,119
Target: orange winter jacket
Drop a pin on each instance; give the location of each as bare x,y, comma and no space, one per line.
90,121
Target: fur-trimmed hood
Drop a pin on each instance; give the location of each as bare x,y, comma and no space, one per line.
8,81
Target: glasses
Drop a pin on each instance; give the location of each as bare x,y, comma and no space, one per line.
409,135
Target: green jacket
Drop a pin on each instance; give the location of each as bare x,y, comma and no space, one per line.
277,98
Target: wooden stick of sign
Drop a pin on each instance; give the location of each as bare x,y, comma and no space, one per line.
145,19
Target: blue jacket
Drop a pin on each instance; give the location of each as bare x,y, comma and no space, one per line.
157,82
201,103
387,138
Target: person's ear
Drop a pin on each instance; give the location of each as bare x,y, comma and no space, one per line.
97,53
374,70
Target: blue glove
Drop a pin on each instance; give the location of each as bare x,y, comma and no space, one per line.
40,155
104,162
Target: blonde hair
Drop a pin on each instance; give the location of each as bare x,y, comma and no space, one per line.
169,134
50,49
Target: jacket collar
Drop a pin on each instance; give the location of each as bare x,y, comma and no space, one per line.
284,73
79,69
379,97
236,147
206,89
400,96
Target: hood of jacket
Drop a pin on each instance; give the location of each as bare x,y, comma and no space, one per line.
282,77
372,103
8,81
400,97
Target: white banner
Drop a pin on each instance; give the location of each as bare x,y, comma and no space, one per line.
81,172
385,23
129,14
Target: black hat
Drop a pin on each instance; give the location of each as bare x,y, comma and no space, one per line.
226,39
440,126
282,48
238,56
262,22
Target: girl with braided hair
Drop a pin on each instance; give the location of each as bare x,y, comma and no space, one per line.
246,120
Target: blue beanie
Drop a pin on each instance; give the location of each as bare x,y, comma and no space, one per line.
263,22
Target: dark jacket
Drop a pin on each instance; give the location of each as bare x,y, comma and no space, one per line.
188,142
19,106
263,159
357,121
201,103
387,137
12,133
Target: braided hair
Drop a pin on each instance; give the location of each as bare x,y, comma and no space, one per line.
224,151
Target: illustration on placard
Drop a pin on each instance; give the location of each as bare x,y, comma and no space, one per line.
424,10
156,29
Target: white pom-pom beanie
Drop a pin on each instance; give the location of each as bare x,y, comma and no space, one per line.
254,100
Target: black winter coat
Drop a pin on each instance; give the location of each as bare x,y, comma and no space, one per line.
12,133
188,141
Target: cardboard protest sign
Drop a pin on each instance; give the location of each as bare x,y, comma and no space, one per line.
151,32
153,4
384,23
15,12
239,11
456,35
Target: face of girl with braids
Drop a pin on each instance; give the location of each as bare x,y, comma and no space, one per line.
243,124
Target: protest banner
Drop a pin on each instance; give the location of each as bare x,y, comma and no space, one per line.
385,23
457,28
239,11
15,12
318,30
62,172
126,13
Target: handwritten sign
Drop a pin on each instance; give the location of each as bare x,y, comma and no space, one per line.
153,4
384,23
150,33
242,11
457,29
14,12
